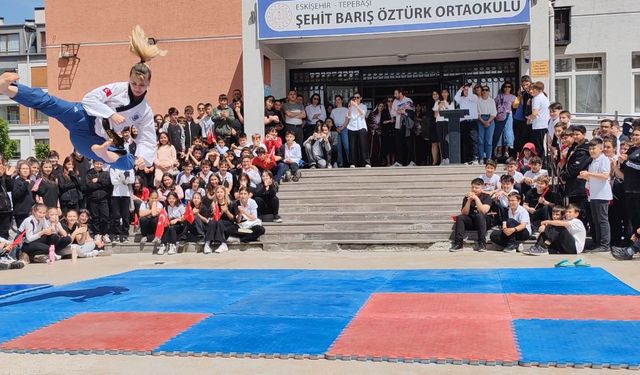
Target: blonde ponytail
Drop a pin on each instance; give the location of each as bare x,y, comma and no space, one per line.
139,45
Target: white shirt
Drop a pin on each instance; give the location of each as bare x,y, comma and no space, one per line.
251,208
405,104
552,126
533,175
339,114
145,205
175,212
541,103
312,110
106,100
436,108
487,107
598,188
469,102
576,229
490,183
356,120
521,216
294,153
121,183
517,177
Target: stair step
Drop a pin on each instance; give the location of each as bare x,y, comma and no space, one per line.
384,225
366,216
367,207
398,197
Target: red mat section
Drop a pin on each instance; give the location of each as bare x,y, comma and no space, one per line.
107,331
428,326
533,306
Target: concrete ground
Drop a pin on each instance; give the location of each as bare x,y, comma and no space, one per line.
66,271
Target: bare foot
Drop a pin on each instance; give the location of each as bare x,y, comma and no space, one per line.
103,153
5,83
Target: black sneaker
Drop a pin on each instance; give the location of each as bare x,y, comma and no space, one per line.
536,250
481,247
622,253
16,265
277,219
511,248
457,246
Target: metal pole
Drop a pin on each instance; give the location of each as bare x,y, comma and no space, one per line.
552,54
28,48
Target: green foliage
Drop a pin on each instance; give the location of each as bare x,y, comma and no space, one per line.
42,151
8,147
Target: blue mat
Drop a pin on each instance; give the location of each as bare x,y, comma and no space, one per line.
579,341
8,290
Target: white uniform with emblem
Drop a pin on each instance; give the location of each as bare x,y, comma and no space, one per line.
116,97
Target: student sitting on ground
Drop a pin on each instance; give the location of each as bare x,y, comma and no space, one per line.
195,230
515,229
249,227
491,180
473,216
81,241
175,214
561,236
222,219
529,180
540,201
149,212
39,236
500,199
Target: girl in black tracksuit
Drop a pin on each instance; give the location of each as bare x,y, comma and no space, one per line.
21,194
48,186
69,186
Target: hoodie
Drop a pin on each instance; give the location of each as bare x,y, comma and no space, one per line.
523,164
578,160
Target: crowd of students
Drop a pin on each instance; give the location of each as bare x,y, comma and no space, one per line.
580,188
208,184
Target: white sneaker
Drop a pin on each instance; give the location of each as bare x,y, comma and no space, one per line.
222,248
93,253
475,162
58,257
352,166
161,249
412,164
445,161
172,249
106,238
97,237
232,239
207,247
156,240
396,164
329,166
335,165
367,166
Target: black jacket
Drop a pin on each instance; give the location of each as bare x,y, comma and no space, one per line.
102,188
49,192
82,167
6,186
70,190
22,197
578,160
266,194
191,131
174,131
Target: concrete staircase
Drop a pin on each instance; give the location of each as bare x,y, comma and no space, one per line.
405,208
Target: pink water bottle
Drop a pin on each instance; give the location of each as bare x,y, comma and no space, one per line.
52,254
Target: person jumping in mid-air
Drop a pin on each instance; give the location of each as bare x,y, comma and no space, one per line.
103,112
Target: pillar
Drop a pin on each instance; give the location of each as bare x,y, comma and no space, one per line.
252,71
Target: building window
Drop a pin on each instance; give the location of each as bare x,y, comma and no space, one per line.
43,39
635,71
579,83
18,153
9,43
40,118
43,141
562,26
13,114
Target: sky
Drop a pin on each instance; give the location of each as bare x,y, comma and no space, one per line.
16,11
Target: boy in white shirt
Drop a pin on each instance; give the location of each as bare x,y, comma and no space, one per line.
598,181
530,176
491,180
539,118
292,157
561,236
512,170
500,198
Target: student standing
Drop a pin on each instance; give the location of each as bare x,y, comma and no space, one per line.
598,179
539,118
358,136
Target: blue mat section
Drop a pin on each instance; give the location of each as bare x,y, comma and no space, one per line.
258,334
8,290
578,341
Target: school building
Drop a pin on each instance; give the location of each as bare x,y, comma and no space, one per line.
585,51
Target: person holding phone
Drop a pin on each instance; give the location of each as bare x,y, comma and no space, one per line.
358,136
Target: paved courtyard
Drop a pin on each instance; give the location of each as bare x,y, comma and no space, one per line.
66,272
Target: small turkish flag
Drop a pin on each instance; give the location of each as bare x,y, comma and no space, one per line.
216,212
163,221
106,91
188,214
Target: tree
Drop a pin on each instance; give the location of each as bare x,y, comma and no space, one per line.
8,147
42,151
